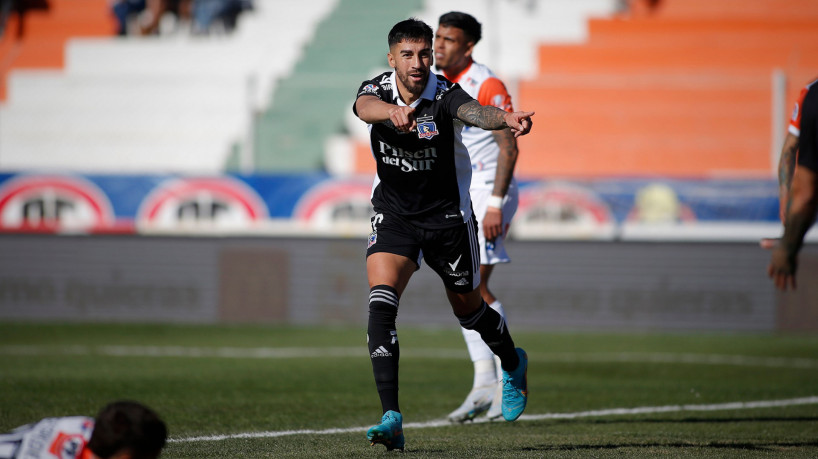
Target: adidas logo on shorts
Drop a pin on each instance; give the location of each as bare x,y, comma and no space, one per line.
461,282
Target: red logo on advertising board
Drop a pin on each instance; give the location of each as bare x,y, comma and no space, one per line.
334,202
562,211
53,203
201,203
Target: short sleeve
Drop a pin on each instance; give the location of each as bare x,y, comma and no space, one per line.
794,127
371,88
493,92
808,141
454,98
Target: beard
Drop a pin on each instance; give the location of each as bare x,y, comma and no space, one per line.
410,84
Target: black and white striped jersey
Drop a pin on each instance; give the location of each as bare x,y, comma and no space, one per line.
423,176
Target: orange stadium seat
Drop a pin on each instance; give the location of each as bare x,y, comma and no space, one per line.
683,91
46,32
768,10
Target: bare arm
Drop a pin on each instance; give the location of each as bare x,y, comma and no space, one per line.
507,158
505,161
372,110
801,210
786,168
493,118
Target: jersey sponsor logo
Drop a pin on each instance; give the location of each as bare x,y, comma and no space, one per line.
53,203
427,128
201,203
796,108
369,89
385,83
408,161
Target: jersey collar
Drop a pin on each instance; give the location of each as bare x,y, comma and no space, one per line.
428,91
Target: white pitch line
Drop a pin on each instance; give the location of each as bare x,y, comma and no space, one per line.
526,417
360,352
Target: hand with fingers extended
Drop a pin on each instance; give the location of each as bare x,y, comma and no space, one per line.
519,122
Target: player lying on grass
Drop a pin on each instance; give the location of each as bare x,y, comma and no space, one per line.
121,430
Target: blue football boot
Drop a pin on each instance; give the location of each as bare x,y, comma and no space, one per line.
389,432
515,388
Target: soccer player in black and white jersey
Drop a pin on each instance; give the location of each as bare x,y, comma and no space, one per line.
423,210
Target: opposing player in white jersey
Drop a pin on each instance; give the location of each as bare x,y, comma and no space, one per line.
493,191
121,430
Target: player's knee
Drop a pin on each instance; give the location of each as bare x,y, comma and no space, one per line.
383,304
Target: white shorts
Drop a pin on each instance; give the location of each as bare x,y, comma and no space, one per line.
491,255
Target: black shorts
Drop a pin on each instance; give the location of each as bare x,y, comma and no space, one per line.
453,253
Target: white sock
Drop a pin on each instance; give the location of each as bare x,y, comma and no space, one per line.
486,370
484,373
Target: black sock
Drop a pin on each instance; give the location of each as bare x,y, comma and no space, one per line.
384,350
492,328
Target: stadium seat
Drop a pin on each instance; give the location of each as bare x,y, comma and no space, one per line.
683,91
174,103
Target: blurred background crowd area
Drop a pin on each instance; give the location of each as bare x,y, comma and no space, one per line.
655,90
658,121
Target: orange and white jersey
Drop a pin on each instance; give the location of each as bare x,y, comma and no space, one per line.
50,438
795,120
482,84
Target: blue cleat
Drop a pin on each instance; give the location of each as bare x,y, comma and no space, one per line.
389,432
515,389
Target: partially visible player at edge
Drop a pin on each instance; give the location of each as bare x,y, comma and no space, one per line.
493,192
121,430
423,210
787,160
802,203
789,152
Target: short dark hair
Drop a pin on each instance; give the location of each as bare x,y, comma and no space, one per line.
410,30
128,426
466,22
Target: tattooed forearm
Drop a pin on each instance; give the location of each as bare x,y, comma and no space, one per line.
795,229
786,164
482,116
505,161
801,209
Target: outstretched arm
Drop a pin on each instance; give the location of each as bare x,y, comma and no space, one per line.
373,110
493,118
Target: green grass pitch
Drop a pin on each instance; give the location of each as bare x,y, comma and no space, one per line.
257,392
